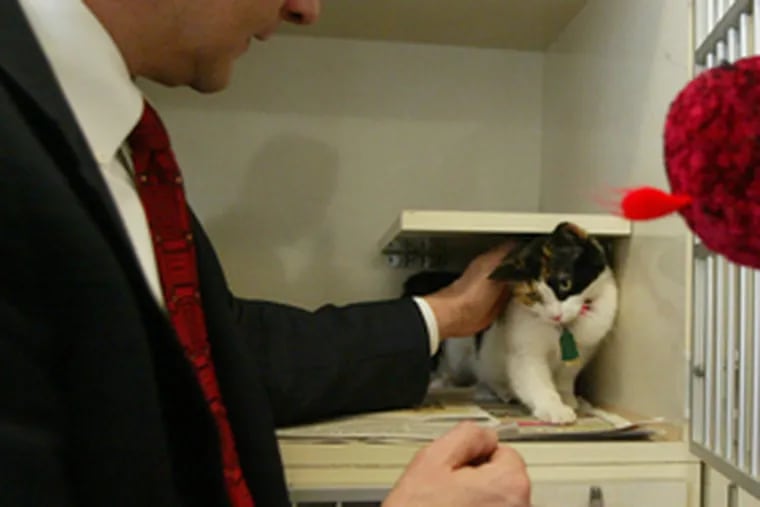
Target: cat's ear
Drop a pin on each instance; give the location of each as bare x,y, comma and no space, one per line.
519,264
604,250
568,240
568,232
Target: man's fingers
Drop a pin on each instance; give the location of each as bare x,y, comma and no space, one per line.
504,454
485,263
467,443
507,465
497,253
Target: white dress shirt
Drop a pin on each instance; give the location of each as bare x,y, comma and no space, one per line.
107,105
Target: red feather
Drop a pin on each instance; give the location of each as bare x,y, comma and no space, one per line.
647,203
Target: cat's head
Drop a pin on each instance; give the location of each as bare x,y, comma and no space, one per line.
554,276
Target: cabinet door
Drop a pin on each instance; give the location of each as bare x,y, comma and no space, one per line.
649,493
716,491
746,500
719,491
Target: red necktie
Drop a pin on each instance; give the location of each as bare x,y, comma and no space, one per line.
159,184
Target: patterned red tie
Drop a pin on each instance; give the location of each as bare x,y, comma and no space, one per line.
159,184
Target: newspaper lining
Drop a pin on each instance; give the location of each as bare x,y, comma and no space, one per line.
444,409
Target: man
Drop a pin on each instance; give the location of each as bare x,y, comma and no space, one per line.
129,375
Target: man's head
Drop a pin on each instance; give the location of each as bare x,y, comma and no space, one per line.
194,42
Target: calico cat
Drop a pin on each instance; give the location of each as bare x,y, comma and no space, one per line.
561,284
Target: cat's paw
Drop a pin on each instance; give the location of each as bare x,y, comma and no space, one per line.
570,400
555,413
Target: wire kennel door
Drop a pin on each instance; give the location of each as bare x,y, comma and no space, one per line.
725,354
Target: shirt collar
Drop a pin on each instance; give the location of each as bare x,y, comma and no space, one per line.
90,70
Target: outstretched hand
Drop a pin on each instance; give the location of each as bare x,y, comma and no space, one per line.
472,302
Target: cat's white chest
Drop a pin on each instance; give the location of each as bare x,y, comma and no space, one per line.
523,332
522,338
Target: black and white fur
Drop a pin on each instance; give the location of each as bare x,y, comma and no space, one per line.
562,280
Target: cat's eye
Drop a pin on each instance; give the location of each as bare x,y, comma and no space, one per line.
535,297
564,285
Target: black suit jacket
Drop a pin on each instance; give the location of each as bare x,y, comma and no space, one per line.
98,405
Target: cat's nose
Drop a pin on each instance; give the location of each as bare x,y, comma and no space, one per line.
557,318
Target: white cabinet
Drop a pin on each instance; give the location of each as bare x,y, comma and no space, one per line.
627,473
719,491
623,485
611,494
746,500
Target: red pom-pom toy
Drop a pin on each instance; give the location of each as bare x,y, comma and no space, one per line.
712,158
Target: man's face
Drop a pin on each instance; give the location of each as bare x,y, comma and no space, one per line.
208,35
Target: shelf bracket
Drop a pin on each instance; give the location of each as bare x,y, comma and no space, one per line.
419,253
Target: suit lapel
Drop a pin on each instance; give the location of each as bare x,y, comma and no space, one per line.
23,63
22,60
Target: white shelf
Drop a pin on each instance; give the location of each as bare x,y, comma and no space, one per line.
349,470
522,25
417,223
311,454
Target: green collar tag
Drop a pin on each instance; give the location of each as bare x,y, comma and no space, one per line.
568,346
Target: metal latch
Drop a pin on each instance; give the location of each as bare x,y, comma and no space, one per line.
595,497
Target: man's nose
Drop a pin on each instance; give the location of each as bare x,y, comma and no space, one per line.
301,12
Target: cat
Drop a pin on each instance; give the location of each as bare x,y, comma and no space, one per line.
561,281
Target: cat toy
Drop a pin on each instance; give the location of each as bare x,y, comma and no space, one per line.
712,160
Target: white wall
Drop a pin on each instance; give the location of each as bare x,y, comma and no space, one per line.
302,164
609,79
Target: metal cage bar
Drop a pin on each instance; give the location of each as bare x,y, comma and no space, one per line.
732,330
709,369
719,365
745,333
698,369
755,417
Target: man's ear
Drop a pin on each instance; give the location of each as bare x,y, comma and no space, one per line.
520,264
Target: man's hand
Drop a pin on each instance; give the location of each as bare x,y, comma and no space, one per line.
473,301
465,467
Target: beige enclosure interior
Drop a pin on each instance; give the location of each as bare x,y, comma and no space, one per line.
303,168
